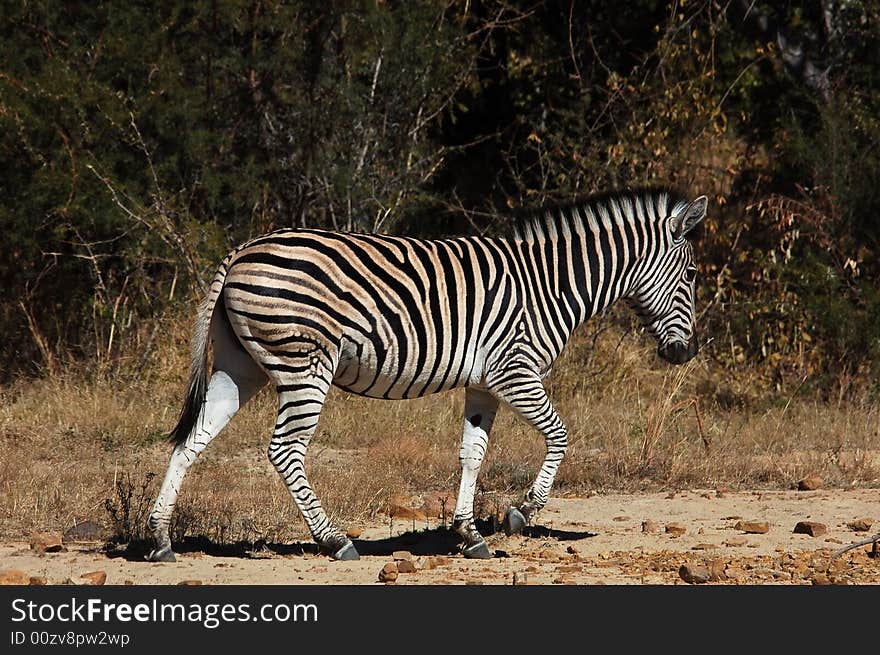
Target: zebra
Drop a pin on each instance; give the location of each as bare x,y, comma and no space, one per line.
397,317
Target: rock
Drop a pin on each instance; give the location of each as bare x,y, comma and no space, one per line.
620,518
736,542
694,573
547,554
353,533
569,568
650,526
821,579
811,528
401,555
190,583
716,569
13,577
753,527
87,531
93,578
810,483
128,583
435,561
675,529
406,566
860,525
388,574
46,542
703,546
37,581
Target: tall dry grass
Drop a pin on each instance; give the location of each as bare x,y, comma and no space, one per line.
88,445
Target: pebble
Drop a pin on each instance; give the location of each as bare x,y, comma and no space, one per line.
46,542
811,528
13,577
753,527
650,526
675,529
860,525
388,574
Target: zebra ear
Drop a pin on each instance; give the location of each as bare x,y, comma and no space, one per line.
688,218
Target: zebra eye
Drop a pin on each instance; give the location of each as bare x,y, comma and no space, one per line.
690,273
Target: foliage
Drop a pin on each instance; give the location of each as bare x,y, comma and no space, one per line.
139,141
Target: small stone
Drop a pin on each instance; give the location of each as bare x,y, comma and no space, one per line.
569,568
620,518
128,583
388,573
13,577
547,554
810,483
736,542
401,555
571,550
694,573
37,581
860,525
93,578
190,583
717,569
650,526
46,542
821,579
353,533
675,529
435,561
501,554
752,527
703,546
811,528
406,566
720,492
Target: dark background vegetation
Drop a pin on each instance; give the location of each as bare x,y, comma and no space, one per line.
139,141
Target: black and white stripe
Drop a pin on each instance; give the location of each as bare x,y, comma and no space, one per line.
393,317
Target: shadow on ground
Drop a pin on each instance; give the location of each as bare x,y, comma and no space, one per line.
436,541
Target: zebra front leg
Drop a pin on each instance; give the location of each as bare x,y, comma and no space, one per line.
525,394
480,408
299,407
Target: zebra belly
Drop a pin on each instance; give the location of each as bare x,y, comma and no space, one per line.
366,370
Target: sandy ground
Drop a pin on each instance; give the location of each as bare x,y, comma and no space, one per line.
583,541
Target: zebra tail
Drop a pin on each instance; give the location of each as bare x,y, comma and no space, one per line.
198,378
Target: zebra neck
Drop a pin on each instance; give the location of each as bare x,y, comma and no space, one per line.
571,276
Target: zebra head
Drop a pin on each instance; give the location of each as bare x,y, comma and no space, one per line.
664,293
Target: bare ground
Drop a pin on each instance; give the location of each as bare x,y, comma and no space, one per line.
583,541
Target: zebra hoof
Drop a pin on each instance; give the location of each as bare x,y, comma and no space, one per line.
514,521
346,553
477,551
162,555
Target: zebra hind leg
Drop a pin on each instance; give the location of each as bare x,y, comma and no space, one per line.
479,413
525,394
300,401
224,397
236,378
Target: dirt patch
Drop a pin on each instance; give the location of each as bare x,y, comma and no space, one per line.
603,539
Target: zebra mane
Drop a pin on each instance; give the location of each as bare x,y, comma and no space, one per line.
655,203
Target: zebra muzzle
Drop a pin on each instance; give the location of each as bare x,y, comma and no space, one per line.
678,352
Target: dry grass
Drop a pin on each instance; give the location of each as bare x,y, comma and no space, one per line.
71,444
